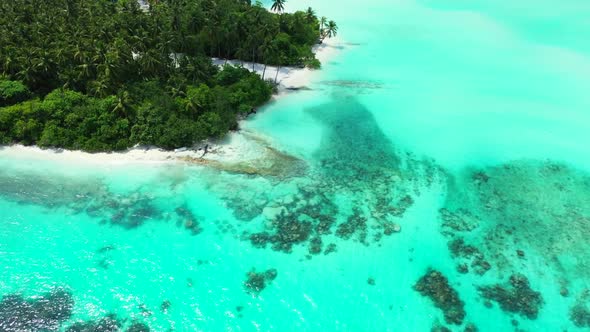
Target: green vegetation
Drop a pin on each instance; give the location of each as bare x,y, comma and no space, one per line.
101,75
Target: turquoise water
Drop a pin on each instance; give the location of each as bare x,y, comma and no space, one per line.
443,135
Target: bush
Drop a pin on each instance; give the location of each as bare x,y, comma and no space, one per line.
313,64
12,92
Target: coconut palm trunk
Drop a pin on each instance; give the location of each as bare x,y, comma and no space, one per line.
277,74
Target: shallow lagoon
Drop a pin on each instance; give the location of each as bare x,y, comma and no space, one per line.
447,135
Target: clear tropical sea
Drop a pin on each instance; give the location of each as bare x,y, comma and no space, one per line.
446,184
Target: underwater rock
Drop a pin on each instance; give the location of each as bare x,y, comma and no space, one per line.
463,221
145,312
480,177
259,240
563,291
438,327
257,281
138,327
109,323
165,306
435,286
517,298
44,313
580,315
271,163
470,327
106,249
355,224
324,224
273,212
289,231
188,219
104,263
403,204
315,245
271,274
330,248
460,249
462,268
390,228
371,281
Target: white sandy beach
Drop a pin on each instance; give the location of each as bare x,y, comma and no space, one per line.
291,77
236,146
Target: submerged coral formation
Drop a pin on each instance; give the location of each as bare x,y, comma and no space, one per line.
538,208
580,312
109,323
435,286
45,313
523,204
355,162
188,220
138,327
459,249
518,297
51,312
257,281
272,163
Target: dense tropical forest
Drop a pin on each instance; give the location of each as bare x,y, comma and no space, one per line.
102,75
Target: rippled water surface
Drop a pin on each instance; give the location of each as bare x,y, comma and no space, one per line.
444,182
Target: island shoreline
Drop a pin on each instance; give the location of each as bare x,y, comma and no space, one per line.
236,146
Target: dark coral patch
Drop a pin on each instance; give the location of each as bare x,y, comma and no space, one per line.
45,313
518,297
109,323
435,286
257,281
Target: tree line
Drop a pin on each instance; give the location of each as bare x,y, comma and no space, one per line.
101,75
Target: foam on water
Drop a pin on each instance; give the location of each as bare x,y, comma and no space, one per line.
447,135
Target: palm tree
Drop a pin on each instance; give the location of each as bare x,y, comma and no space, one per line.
122,104
278,6
323,21
280,58
330,31
310,14
192,104
269,49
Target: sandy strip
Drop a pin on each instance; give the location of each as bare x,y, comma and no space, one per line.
242,146
236,146
291,77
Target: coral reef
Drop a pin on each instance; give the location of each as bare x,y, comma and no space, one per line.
45,313
188,220
138,327
522,204
580,315
459,249
435,286
109,323
518,297
257,281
